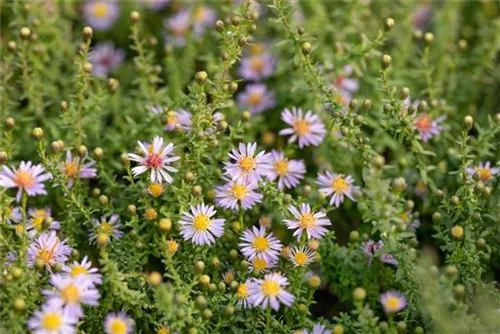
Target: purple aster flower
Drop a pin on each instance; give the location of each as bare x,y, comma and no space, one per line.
157,159
257,66
178,27
178,119
52,319
109,228
101,15
288,172
371,247
237,193
257,243
83,268
393,301
10,214
307,221
40,220
105,58
389,259
427,127
199,226
302,256
49,249
242,294
270,292
72,292
308,129
246,166
203,18
72,169
318,329
257,98
118,323
27,177
484,171
337,185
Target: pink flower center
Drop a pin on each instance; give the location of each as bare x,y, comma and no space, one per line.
424,123
24,179
153,160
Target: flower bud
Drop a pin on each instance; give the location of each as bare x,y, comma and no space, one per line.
113,85
338,329
233,253
457,232
200,302
399,184
468,122
102,239
245,117
219,26
306,48
19,304
242,41
459,291
10,122
88,32
165,225
402,327
56,146
229,310
3,157
455,200
11,46
87,67
367,105
451,271
386,61
428,38
313,244
17,273
82,151
462,45
37,133
389,24
98,153
207,314
233,86
301,31
197,191
103,199
201,77
155,278
25,33
204,280
235,20
150,214
132,209
314,281
64,106
135,16
359,294
199,267
480,243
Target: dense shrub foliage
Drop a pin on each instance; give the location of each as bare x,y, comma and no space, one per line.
243,167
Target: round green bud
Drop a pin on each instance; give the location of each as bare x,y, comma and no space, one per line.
389,24
302,308
135,16
200,302
219,26
459,291
367,105
306,48
207,314
233,286
419,330
359,294
354,236
212,288
402,327
3,157
455,200
468,122
221,286
428,38
457,232
451,271
480,243
229,310
383,326
386,61
199,267
399,184
19,304
204,280
233,253
37,133
201,77
87,32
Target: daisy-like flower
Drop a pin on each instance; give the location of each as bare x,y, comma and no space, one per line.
157,159
72,292
10,214
288,172
199,226
484,171
337,185
242,294
73,169
27,177
270,292
247,166
307,129
39,220
371,247
256,98
307,221
101,15
228,276
203,18
237,192
257,66
118,323
177,119
393,301
261,265
52,319
105,58
427,127
83,268
109,228
49,249
256,243
178,27
411,220
318,329
302,256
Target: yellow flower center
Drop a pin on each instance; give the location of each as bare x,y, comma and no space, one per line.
19,229
307,220
38,219
247,164
270,288
199,14
78,270
51,321
201,222
240,191
24,179
300,258
172,246
163,330
70,294
261,244
339,185
118,327
255,98
302,127
172,120
259,264
242,291
46,255
71,169
257,64
156,189
101,10
106,228
404,216
229,277
392,303
484,174
281,167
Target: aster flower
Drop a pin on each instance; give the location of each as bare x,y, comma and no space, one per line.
389,259
105,58
246,166
83,268
101,15
483,171
199,226
256,243
318,329
302,256
257,66
337,185
371,247
72,292
10,214
203,18
178,26
52,319
110,228
427,127
27,177
306,129
257,98
157,159
242,294
176,119
393,301
288,172
270,292
411,220
72,169
228,276
307,221
261,265
49,249
118,323
40,219
235,193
